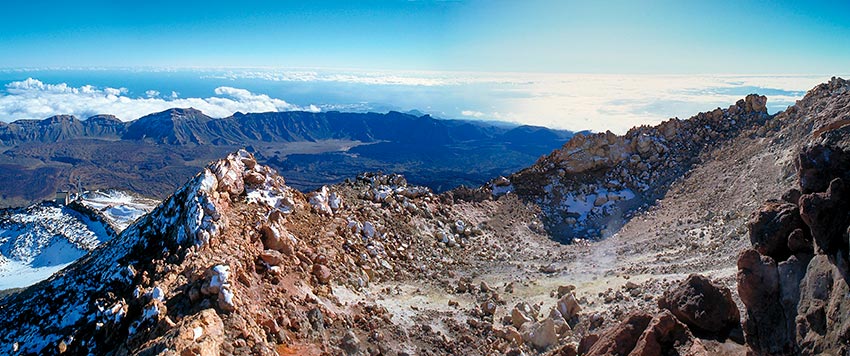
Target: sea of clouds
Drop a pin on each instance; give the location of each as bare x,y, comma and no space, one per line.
567,101
33,99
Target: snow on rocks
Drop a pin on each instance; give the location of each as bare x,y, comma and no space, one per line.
218,283
119,208
41,239
324,201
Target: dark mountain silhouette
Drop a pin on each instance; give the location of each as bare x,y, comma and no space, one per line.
155,153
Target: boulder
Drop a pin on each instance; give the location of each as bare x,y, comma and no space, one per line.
702,305
666,335
322,273
568,306
800,241
764,323
825,159
540,335
756,103
622,338
521,314
770,226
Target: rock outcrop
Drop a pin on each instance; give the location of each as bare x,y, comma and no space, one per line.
797,303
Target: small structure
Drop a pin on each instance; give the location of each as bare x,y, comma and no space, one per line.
62,198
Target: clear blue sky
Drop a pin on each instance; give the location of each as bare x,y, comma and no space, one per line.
519,36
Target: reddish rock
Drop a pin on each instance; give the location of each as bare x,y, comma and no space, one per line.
800,241
702,305
665,335
322,273
622,338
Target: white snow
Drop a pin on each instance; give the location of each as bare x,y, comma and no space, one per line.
220,276
120,208
39,240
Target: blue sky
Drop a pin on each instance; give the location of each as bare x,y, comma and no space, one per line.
648,37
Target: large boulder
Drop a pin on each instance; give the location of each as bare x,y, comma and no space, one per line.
702,305
770,227
641,334
765,326
666,335
622,338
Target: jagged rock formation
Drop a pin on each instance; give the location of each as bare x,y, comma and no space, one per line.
796,302
235,235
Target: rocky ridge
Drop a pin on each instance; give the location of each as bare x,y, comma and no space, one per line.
590,186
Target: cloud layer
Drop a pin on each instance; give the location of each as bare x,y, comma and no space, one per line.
33,99
566,101
571,101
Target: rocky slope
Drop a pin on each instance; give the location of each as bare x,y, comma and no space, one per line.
238,262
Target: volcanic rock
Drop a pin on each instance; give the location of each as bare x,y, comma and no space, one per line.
770,226
702,305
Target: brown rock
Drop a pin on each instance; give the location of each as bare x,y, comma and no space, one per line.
568,306
563,290
521,314
274,239
541,335
488,308
756,103
586,343
800,241
702,305
254,179
770,226
827,216
622,338
271,257
665,335
322,273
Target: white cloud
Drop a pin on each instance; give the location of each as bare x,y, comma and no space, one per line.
33,99
472,113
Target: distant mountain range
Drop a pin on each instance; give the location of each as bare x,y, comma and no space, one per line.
191,126
158,152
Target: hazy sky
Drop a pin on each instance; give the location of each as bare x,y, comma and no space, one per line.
645,37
